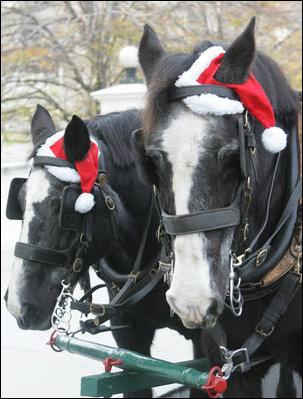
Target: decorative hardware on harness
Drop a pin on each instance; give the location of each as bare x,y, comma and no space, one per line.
109,202
101,179
297,269
234,359
167,269
97,309
62,313
261,257
235,297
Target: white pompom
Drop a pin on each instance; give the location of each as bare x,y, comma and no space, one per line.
84,203
274,139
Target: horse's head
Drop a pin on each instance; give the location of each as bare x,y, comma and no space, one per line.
190,151
36,277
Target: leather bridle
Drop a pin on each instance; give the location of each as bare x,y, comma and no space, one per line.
74,254
236,214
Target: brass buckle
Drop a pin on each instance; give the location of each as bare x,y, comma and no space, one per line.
109,202
102,179
261,257
263,333
297,267
134,276
78,264
160,232
93,310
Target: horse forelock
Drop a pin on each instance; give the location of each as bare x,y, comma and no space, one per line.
167,70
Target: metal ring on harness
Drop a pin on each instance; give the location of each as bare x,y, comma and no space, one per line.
93,309
77,265
109,202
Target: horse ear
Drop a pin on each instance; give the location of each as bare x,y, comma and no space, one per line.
150,50
144,163
76,140
235,65
42,125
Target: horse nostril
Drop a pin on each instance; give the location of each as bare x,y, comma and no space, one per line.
6,295
29,312
215,307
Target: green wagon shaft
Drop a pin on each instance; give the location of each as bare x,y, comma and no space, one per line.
140,371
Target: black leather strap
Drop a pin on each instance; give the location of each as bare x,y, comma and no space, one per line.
179,93
13,207
202,221
272,314
248,266
53,161
42,255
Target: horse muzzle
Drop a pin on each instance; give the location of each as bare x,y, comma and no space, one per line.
28,315
192,313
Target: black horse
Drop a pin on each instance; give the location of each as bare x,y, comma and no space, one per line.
222,194
116,233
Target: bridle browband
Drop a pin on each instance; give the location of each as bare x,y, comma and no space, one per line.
179,93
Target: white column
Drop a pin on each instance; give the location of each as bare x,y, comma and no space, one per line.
128,94
121,97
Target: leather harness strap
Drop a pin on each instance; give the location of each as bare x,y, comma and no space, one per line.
202,221
48,256
131,292
179,93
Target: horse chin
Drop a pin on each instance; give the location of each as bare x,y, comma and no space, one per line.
207,323
27,325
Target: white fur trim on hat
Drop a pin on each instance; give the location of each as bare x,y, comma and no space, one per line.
189,77
62,173
84,203
214,105
207,103
274,139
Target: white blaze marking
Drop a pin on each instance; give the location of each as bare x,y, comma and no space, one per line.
190,292
36,191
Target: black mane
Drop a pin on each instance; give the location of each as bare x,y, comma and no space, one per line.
115,130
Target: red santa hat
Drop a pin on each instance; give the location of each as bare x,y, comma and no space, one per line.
86,172
251,94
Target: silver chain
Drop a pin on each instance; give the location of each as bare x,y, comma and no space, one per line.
234,293
62,314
